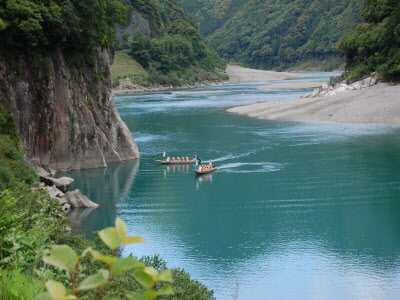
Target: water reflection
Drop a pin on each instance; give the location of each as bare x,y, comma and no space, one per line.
108,187
202,179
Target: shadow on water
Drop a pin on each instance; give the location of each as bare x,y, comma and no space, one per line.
108,187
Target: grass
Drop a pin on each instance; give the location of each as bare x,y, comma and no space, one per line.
125,66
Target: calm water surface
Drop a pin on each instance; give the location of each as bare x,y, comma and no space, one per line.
295,210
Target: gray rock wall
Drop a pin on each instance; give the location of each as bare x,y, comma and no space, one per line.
67,117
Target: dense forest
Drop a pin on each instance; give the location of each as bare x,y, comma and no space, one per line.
277,34
77,27
375,45
169,46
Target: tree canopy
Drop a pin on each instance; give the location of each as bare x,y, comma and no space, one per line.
375,44
73,24
275,33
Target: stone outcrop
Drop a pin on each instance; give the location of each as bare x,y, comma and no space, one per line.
77,199
60,183
54,192
330,89
66,116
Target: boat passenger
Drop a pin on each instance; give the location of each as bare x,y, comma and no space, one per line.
187,158
200,168
178,158
168,159
210,163
173,158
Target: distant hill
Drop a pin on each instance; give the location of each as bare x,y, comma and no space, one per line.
277,34
164,39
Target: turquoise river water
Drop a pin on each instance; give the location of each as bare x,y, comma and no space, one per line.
295,210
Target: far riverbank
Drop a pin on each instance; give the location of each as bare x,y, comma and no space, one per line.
236,74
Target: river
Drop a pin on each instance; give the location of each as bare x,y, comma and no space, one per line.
295,210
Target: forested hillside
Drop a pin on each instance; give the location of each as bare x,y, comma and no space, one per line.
375,44
164,39
278,33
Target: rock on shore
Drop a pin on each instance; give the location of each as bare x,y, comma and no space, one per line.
330,89
58,190
76,199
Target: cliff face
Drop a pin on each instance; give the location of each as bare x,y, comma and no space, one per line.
67,117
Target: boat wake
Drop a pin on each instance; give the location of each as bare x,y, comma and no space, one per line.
232,156
259,167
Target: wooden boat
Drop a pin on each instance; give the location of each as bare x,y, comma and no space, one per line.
205,171
176,162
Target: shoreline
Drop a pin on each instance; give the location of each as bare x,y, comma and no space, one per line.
157,88
379,104
236,74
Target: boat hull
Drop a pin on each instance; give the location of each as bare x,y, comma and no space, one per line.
164,162
205,171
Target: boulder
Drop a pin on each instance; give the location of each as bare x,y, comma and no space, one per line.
77,199
54,192
62,183
66,206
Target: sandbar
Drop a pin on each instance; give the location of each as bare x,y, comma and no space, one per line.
379,104
239,74
292,85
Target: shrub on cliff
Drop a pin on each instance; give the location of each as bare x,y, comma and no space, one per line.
75,25
375,44
12,165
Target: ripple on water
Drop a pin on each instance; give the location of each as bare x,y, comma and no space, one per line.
253,167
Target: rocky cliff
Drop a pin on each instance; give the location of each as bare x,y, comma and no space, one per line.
66,116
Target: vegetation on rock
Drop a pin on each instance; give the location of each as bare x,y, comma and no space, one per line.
78,27
174,53
374,46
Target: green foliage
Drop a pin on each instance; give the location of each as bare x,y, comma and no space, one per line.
14,285
12,165
77,26
29,220
375,45
176,53
65,258
161,13
276,34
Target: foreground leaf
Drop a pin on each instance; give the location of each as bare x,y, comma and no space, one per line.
126,264
150,294
135,296
57,291
104,258
166,289
110,237
95,281
120,226
165,276
43,296
143,278
132,240
61,256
